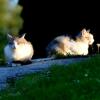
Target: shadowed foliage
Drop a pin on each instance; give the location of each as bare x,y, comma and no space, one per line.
10,22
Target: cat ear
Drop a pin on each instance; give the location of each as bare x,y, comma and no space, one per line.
88,30
23,36
10,37
84,32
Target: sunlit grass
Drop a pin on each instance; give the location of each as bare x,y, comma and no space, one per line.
80,81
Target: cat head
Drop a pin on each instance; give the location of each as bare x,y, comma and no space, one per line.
86,36
14,42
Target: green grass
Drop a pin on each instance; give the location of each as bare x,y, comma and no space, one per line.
3,42
80,81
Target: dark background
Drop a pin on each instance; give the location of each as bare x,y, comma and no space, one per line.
43,21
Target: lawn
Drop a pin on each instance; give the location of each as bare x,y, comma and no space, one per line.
79,81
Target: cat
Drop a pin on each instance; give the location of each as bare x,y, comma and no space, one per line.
65,45
18,49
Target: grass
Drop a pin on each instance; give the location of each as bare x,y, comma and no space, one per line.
3,41
79,81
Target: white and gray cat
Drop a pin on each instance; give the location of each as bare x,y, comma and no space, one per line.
18,49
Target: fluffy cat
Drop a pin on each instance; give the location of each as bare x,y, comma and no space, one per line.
18,49
65,45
